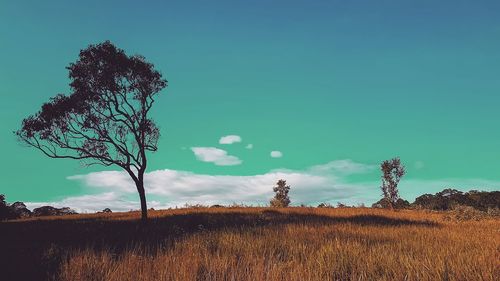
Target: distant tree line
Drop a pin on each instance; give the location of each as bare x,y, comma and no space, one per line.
445,200
450,198
18,210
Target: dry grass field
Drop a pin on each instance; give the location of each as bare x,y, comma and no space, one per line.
252,244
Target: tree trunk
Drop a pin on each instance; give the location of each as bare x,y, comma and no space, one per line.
142,196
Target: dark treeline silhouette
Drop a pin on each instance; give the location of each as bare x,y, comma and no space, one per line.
450,198
19,210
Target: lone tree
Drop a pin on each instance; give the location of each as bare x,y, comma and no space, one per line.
392,172
281,198
105,119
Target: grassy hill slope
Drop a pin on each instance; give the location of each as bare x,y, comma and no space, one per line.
252,244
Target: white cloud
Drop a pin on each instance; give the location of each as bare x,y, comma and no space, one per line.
230,139
276,154
215,155
169,188
321,183
249,146
108,179
343,167
96,202
419,165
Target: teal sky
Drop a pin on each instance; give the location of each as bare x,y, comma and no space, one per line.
321,81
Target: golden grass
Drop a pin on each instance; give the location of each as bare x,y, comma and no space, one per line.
296,244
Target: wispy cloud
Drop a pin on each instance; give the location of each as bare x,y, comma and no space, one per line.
215,155
230,139
96,202
168,188
419,165
276,154
328,182
342,167
249,146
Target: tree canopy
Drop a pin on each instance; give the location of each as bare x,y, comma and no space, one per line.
105,119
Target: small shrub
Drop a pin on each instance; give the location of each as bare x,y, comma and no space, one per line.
281,198
194,206
325,205
385,203
465,213
216,206
342,205
493,212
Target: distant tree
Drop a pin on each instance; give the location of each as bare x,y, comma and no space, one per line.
392,172
3,207
325,205
281,198
342,205
105,120
5,211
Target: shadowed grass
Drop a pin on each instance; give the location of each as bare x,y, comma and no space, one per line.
252,244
